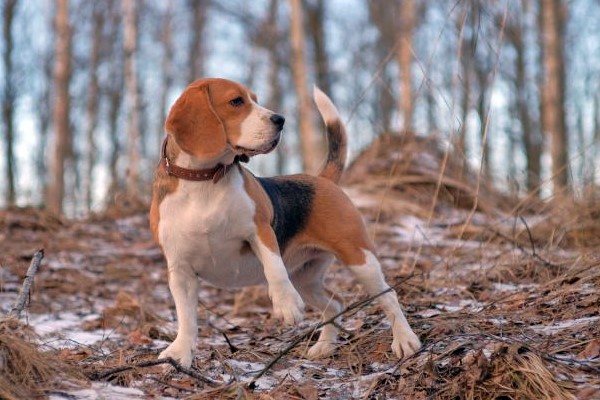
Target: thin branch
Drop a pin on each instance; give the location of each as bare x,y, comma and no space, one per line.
309,332
145,364
533,252
25,292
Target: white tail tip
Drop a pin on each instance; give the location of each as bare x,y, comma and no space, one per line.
328,111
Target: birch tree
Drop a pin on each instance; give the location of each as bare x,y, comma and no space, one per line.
407,12
91,111
310,157
132,101
62,131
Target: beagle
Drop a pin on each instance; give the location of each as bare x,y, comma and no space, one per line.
215,220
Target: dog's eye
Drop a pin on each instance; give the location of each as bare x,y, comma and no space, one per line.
237,102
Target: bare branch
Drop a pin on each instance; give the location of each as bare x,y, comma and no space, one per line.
24,294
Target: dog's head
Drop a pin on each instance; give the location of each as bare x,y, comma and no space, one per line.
216,116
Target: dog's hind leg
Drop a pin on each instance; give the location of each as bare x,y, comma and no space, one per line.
370,276
309,283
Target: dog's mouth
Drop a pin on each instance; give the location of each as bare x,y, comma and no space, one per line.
263,150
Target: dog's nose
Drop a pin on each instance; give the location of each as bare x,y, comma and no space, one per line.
278,120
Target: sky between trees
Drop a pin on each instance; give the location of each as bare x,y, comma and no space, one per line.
85,85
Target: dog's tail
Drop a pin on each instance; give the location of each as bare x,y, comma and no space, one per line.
336,137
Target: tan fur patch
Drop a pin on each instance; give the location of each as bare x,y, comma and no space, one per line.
163,185
263,215
334,224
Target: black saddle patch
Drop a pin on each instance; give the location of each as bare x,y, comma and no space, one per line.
292,203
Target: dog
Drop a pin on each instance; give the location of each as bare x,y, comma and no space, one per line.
216,221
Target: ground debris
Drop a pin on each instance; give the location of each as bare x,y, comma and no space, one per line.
505,300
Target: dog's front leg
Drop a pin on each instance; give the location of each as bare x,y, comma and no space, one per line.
287,303
183,284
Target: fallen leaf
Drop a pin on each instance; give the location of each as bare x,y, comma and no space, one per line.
592,350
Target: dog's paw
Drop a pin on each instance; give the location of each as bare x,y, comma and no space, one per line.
321,350
288,305
178,352
406,344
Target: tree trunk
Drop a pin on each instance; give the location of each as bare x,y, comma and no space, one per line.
384,21
466,55
316,22
167,70
91,112
553,91
9,98
310,160
115,97
275,99
44,112
595,156
62,131
132,101
404,59
197,9
532,142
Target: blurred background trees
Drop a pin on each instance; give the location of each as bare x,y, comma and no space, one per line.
513,86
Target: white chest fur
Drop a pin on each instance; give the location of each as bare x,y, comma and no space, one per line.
204,226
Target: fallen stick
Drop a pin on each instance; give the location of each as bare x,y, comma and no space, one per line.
25,292
145,364
309,332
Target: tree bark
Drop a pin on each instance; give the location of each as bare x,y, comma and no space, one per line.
310,160
8,99
553,91
384,22
595,156
482,70
91,112
198,11
115,98
466,55
316,23
62,131
167,69
404,59
532,142
44,112
132,101
270,29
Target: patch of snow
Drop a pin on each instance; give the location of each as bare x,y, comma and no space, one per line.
64,330
101,391
463,305
511,287
562,325
428,313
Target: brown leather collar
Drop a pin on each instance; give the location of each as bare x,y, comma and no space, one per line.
215,174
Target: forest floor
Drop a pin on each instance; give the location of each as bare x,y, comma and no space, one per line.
504,294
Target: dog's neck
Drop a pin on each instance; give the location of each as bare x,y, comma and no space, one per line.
182,165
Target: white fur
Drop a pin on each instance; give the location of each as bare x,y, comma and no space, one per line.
202,233
369,275
287,303
328,110
258,131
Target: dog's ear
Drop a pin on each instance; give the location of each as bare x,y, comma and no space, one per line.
195,125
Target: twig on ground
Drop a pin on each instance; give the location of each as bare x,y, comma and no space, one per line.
533,253
145,364
177,387
311,331
25,292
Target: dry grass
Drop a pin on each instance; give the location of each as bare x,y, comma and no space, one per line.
25,370
503,292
